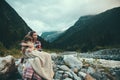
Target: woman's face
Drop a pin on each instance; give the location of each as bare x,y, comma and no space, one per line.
34,35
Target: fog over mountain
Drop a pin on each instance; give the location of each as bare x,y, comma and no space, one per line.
58,15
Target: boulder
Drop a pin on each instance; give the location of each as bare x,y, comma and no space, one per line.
73,62
7,67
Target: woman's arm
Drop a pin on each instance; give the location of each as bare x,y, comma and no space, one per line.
26,44
27,47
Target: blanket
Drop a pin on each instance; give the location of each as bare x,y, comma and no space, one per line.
41,63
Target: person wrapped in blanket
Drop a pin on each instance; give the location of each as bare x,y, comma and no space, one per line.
38,64
28,72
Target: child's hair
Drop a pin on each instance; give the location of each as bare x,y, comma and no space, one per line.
27,38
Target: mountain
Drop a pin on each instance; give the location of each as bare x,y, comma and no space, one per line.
92,31
12,27
51,36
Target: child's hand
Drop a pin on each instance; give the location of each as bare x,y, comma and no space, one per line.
30,45
29,50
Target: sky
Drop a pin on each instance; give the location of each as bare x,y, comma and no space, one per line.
58,15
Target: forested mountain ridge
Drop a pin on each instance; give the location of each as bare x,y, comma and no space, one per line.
12,27
92,31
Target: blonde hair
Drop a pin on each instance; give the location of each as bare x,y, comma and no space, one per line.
27,38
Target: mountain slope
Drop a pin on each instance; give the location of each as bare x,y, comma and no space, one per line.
51,36
92,31
12,27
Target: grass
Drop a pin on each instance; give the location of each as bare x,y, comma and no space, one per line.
53,51
13,51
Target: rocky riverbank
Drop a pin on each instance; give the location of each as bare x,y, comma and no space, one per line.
70,66
108,54
97,69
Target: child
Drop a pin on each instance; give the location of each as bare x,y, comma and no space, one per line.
30,45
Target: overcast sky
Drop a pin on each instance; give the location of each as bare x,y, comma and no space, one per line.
58,15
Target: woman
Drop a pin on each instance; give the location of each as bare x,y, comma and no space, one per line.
39,61
36,42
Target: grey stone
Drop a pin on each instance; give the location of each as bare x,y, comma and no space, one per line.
67,79
90,70
73,62
64,67
7,67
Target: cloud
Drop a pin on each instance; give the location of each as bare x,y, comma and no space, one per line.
51,15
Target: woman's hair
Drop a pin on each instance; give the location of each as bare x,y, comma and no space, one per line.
29,36
31,33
